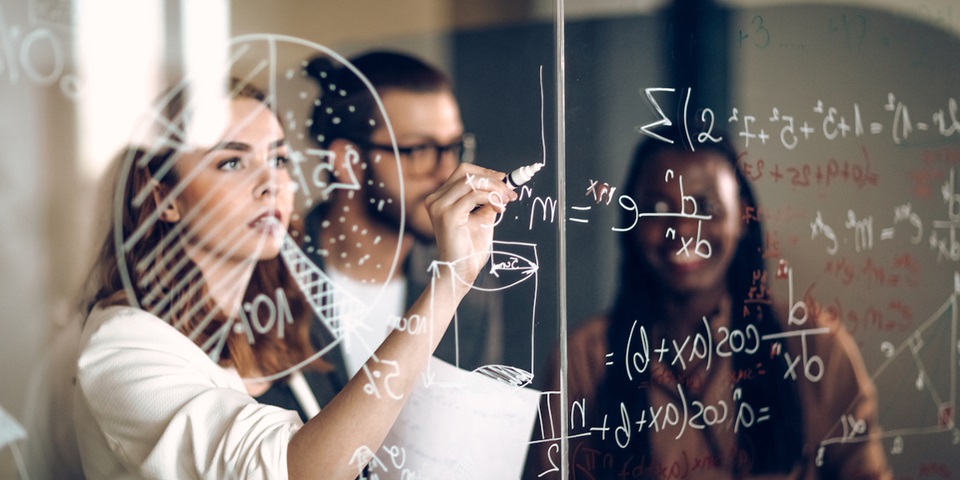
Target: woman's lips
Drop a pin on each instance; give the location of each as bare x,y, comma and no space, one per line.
267,222
684,261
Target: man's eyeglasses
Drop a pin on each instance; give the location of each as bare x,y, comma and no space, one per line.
425,158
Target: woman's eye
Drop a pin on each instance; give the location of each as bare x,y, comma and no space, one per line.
709,207
229,164
280,161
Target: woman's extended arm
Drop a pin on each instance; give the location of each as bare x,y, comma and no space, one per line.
334,443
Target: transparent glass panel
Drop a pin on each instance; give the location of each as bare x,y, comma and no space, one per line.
772,291
825,348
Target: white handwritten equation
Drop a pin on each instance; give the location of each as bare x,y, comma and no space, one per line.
670,363
862,232
940,235
37,54
603,193
791,129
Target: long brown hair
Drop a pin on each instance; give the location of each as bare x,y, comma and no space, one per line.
141,262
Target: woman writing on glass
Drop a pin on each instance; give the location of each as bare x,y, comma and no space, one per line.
200,219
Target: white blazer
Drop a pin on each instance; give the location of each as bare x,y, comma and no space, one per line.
151,404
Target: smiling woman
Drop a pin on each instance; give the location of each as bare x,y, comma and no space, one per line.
176,324
702,336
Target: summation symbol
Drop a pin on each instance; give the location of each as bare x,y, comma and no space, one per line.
706,116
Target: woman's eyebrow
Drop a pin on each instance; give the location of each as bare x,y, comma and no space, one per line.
238,146
244,147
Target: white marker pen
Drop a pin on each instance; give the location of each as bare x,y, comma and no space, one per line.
518,177
522,175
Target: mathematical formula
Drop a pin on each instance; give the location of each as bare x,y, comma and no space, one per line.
36,54
793,129
940,234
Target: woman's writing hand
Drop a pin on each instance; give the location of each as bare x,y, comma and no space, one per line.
464,211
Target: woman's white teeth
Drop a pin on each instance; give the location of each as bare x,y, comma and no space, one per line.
267,221
684,258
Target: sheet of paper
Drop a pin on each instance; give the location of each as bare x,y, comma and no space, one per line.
10,429
459,424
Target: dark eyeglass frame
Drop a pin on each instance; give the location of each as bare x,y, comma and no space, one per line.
464,148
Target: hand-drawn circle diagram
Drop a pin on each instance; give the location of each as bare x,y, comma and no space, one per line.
181,266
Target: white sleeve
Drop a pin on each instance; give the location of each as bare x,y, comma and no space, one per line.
165,410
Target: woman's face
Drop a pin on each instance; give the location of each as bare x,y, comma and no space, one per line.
691,241
236,194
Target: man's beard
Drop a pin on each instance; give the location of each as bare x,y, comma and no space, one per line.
389,213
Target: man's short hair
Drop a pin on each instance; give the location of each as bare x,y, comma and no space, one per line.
345,108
